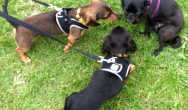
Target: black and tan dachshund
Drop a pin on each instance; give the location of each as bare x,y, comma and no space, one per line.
107,82
86,16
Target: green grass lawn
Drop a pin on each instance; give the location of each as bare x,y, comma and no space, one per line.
158,83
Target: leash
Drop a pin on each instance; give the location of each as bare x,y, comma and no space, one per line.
30,27
47,5
115,68
14,20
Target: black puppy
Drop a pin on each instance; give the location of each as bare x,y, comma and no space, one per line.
163,16
107,82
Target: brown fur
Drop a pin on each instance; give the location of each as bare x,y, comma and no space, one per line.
46,21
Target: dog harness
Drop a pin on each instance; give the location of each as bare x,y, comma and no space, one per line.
65,22
156,9
117,66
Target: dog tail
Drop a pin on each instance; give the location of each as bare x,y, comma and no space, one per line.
5,6
176,42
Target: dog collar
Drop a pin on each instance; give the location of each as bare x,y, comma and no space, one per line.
119,67
65,22
150,1
80,18
156,9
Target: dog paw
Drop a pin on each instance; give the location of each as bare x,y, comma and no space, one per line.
132,68
29,60
145,33
66,49
26,60
155,53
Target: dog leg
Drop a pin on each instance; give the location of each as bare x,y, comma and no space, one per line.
165,34
82,33
21,53
176,42
148,29
71,42
23,39
132,68
157,51
73,36
162,41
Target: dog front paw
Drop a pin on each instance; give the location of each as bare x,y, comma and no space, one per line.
66,49
26,60
132,68
155,52
145,33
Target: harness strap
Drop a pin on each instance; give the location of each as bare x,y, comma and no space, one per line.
156,9
65,22
30,27
116,66
115,69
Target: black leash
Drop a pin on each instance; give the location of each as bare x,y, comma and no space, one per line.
30,27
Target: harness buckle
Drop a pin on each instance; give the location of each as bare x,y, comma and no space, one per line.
110,60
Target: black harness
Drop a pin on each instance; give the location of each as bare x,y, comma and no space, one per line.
117,66
65,22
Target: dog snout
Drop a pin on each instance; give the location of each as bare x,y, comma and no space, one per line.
130,18
114,17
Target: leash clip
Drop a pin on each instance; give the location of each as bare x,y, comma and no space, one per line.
54,7
110,60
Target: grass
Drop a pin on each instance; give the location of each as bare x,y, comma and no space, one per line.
158,83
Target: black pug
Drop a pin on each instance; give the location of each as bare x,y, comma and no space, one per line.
107,82
163,16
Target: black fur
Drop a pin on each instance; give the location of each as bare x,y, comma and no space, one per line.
119,41
103,85
169,16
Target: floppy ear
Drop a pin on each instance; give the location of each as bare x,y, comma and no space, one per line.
92,20
132,45
106,45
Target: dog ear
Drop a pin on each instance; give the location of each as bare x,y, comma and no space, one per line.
92,20
132,45
106,45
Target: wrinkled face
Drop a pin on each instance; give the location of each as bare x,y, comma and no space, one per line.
133,9
118,42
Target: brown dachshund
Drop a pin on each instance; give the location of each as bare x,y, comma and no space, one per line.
87,15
